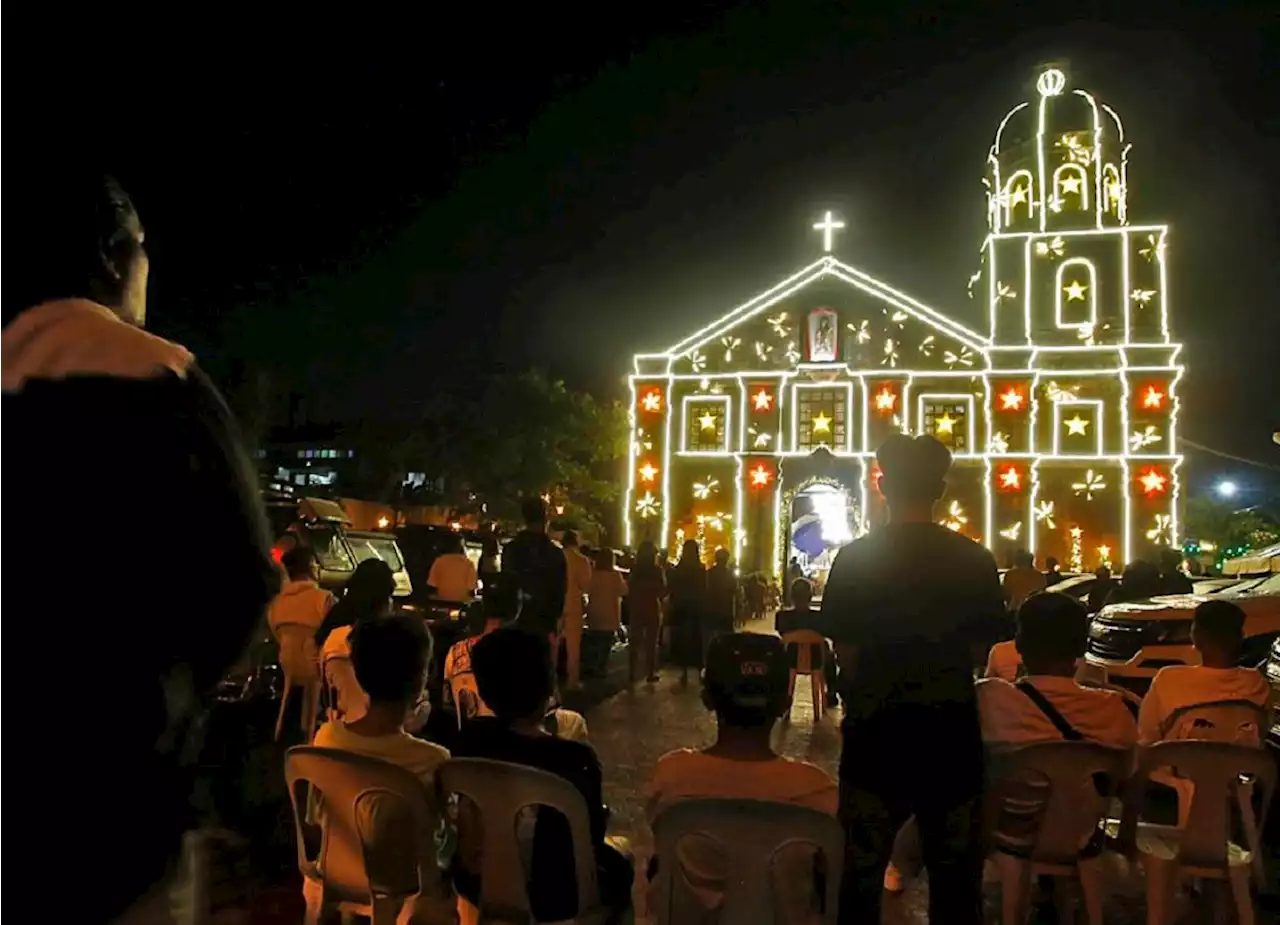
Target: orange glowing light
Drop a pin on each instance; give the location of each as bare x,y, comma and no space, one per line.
1010,479
761,476
648,472
652,401
1152,398
885,400
1153,483
763,400
1011,400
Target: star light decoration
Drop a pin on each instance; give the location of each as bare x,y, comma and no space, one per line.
1090,485
1142,296
1077,549
761,476
822,423
1152,398
1044,514
1104,555
651,401
1153,249
956,517
1010,479
1058,393
1054,247
760,439
1141,439
1071,184
1012,399
705,489
945,424
1161,532
779,324
861,331
886,399
1077,426
927,345
707,421
1004,293
1077,151
697,360
642,441
648,472
763,351
1075,291
730,344
762,400
999,443
1153,483
953,359
647,505
1013,531
890,356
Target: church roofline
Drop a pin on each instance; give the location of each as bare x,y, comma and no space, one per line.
823,267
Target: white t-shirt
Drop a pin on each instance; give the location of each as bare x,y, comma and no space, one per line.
1178,686
453,576
1003,661
421,757
1010,716
604,608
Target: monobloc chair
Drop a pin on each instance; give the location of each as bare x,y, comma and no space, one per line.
297,647
751,834
1223,775
501,792
1043,806
377,853
809,644
347,700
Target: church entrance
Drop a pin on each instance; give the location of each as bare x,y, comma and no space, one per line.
822,516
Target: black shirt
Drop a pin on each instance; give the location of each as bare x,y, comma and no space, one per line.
914,598
535,568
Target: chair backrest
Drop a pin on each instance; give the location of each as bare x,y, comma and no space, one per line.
1215,769
751,833
1240,722
378,837
500,792
806,640
1043,799
297,645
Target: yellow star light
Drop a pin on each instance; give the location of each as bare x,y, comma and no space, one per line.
945,424
1009,478
1018,196
707,421
822,423
1104,553
1071,185
1077,425
1011,400
1075,291
652,401
885,400
763,400
760,476
1152,398
1152,482
648,472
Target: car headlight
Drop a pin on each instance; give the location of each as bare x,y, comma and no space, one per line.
1097,629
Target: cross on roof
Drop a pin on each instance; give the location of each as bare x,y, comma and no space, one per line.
827,226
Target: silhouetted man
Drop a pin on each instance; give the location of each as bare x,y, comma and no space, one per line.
536,571
906,606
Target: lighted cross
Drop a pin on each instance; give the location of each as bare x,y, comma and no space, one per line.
827,226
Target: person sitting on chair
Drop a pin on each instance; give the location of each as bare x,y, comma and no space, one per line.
802,616
745,685
514,676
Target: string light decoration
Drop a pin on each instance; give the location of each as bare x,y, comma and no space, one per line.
706,488
761,476
648,472
955,518
1077,315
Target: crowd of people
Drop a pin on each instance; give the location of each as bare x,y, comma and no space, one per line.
909,610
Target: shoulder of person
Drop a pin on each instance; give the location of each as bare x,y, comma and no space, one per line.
429,749
675,758
995,687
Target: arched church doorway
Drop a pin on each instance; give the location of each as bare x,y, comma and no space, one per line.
821,516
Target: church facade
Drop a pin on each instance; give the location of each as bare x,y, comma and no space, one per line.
757,432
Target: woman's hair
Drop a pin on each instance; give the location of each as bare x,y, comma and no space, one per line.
605,559
690,555
646,565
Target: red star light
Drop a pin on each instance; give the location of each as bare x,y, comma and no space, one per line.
1152,398
885,400
652,401
761,476
1011,400
1153,483
763,400
1010,479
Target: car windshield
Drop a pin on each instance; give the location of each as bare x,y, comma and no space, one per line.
330,550
1269,586
380,547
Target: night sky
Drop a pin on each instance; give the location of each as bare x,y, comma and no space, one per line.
352,205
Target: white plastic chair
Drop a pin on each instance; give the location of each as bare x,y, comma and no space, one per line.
806,640
1223,775
751,833
297,647
500,792
377,855
1042,809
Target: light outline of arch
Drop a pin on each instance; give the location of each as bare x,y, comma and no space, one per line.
1092,323
1097,153
1110,169
1084,177
1031,196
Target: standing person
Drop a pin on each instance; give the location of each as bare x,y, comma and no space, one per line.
80,375
648,589
687,582
1052,572
721,611
794,574
577,586
453,575
605,593
1100,590
1172,579
535,569
1022,581
487,569
906,607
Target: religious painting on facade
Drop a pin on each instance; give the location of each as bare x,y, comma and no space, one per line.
822,335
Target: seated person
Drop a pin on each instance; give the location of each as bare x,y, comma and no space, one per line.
513,674
468,703
453,576
745,685
1023,580
301,600
1181,702
390,659
801,616
1003,661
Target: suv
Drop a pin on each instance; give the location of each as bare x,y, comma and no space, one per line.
1133,641
1273,676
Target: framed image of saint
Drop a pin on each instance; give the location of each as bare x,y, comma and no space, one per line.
822,335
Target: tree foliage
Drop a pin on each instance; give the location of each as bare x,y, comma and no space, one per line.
1213,521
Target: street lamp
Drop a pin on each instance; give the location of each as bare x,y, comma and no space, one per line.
1228,489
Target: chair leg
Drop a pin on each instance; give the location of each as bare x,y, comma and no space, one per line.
1015,888
1091,889
284,703
791,695
1062,901
1162,888
815,690
1239,877
311,711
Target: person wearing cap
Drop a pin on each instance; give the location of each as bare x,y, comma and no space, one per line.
908,607
745,685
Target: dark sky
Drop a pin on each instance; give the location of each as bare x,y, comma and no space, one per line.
346,204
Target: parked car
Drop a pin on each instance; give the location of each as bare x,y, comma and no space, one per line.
1132,641
1273,676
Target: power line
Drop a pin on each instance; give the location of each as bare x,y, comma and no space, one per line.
1240,459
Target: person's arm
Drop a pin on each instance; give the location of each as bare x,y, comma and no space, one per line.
840,617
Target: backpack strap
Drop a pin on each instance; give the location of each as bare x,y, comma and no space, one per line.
1051,713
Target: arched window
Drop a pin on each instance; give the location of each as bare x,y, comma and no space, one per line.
1019,197
1075,296
1112,190
1070,188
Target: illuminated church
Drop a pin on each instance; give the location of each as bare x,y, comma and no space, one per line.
757,432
